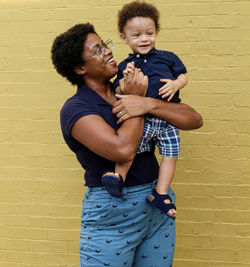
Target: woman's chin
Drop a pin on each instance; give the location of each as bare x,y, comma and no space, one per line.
114,72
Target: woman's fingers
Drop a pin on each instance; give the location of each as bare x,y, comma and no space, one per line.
123,118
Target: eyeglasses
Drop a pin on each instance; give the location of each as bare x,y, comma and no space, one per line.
108,45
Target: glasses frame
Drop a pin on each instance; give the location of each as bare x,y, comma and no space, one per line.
100,50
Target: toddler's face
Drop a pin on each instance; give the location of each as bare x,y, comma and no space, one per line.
140,34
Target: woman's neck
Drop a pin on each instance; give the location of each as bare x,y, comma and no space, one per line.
103,89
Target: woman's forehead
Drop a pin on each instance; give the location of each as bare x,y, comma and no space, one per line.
92,41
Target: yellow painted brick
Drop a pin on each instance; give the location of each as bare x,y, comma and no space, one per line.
212,190
190,263
225,8
180,9
34,64
242,47
230,229
208,202
219,87
62,174
213,152
63,235
236,243
38,257
187,34
34,245
214,21
232,8
192,253
226,255
49,222
44,211
31,148
199,176
24,233
25,124
65,211
57,198
28,137
226,113
41,187
243,254
197,241
31,100
196,228
196,60
197,263
220,74
24,209
5,264
73,247
170,21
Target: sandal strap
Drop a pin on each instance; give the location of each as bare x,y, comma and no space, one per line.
171,206
160,196
160,200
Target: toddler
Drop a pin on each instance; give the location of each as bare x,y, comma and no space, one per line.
138,23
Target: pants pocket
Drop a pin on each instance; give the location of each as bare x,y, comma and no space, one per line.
95,210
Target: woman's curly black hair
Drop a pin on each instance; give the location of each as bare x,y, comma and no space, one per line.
67,49
137,9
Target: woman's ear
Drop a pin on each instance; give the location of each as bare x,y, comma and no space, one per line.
123,37
80,70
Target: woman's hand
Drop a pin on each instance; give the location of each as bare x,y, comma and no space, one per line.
129,106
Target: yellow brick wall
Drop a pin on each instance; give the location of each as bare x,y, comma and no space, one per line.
41,184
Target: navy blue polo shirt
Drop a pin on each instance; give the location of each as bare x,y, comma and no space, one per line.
85,102
157,64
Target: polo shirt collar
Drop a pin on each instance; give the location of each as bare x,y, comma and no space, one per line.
154,51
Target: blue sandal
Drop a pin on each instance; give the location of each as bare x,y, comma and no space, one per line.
157,200
113,184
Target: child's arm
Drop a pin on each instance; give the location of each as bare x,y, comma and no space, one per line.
172,86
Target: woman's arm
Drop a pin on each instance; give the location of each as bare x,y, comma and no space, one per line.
93,132
180,115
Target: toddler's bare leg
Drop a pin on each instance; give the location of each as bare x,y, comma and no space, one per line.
166,175
122,168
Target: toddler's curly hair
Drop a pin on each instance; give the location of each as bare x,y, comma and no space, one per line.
137,9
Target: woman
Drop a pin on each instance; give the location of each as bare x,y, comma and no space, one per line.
125,231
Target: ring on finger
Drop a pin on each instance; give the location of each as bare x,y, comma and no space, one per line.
121,113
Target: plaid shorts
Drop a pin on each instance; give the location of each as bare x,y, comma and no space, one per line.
164,135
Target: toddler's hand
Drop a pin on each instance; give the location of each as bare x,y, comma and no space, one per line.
129,69
169,89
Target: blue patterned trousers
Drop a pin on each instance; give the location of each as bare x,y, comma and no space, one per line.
125,232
